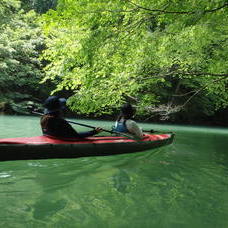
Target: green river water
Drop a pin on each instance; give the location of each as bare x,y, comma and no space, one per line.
183,185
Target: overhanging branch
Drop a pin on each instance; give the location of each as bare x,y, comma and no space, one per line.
174,74
177,12
165,110
198,91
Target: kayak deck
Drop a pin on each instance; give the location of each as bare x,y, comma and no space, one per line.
39,140
45,147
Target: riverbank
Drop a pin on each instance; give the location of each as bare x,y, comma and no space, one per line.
218,120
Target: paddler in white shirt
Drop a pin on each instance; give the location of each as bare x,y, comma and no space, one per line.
125,124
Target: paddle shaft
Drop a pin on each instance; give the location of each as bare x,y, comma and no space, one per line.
153,131
89,126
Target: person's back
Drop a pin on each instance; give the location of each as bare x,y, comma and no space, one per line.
125,124
53,124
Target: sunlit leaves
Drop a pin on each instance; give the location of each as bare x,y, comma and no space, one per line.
7,10
105,51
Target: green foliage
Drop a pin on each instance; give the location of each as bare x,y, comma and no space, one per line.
40,6
21,42
7,10
107,51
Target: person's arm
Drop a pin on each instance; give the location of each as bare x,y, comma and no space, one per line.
69,131
134,129
87,133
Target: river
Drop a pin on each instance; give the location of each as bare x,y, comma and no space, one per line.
183,185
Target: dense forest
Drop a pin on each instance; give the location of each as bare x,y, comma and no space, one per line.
169,58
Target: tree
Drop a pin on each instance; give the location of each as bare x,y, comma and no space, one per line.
40,6
145,51
21,42
7,10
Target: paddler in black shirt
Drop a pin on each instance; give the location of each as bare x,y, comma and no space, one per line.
53,123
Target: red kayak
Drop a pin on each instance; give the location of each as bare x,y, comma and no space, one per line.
45,147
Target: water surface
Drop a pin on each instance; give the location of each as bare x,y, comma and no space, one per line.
180,185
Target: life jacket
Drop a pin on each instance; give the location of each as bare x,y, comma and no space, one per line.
120,126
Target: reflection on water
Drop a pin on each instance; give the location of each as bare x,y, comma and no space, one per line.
180,185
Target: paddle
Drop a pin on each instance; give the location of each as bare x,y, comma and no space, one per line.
153,131
89,126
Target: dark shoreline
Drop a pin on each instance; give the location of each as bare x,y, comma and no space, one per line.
207,122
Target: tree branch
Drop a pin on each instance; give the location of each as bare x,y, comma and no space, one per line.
177,12
198,91
203,74
186,74
108,11
165,110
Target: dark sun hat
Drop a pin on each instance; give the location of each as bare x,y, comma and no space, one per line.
54,104
127,109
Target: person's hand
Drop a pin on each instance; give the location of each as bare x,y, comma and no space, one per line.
98,129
